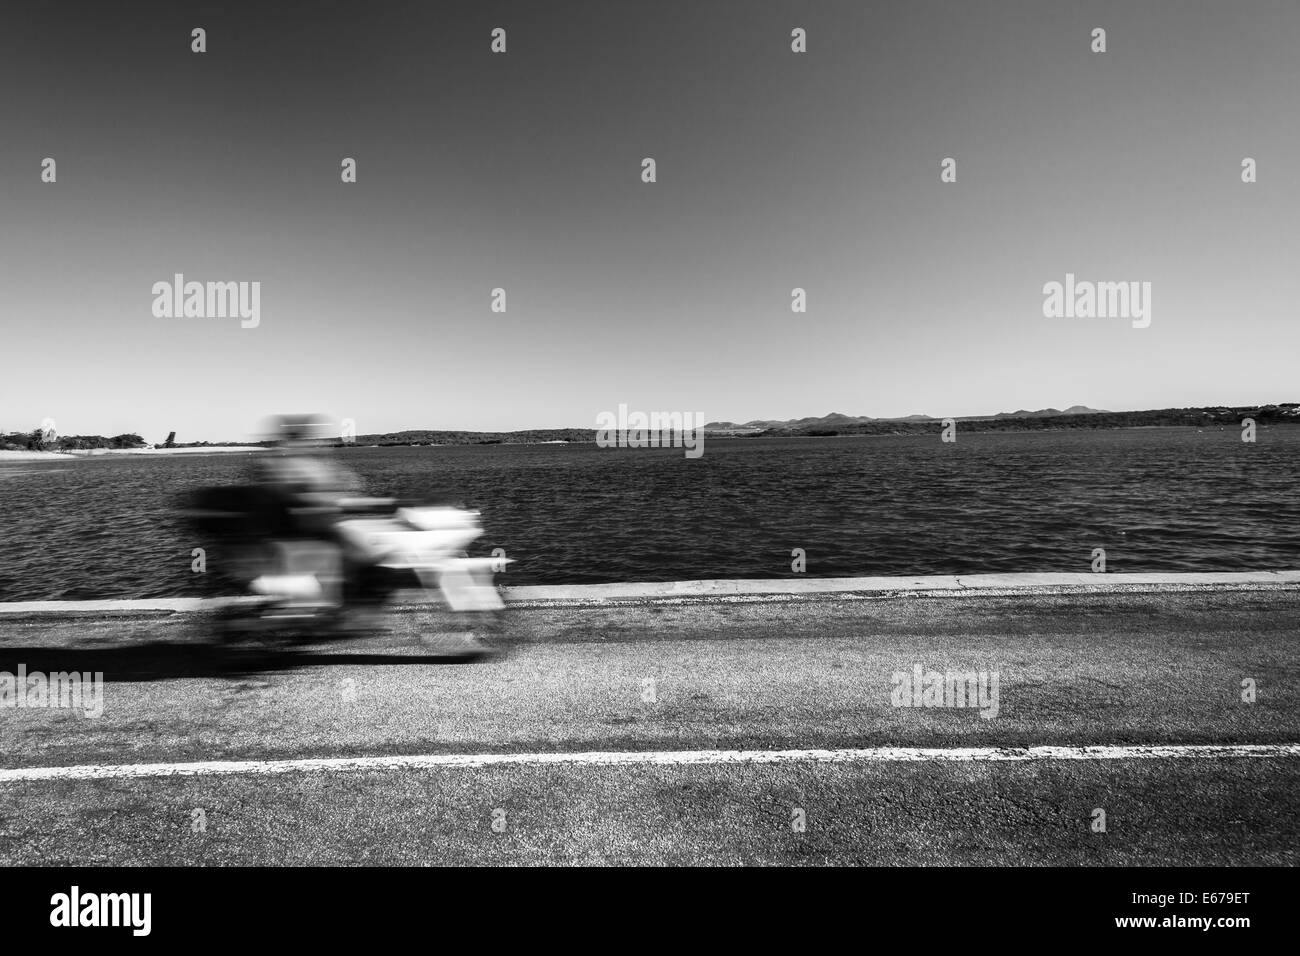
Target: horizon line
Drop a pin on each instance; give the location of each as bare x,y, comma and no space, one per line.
595,428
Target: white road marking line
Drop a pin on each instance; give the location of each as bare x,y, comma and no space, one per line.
659,758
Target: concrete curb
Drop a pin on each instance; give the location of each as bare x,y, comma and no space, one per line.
774,589
1044,582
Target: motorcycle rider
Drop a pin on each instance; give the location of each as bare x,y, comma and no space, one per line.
308,483
307,490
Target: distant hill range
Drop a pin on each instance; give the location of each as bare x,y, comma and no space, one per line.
837,420
1076,416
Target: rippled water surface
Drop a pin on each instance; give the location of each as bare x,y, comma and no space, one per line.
1165,499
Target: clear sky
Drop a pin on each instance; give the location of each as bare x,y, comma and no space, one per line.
522,171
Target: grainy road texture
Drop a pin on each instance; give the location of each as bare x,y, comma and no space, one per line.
1075,669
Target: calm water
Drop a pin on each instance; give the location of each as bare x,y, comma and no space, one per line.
1156,499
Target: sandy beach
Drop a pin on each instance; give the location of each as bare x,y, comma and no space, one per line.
32,455
205,450
96,452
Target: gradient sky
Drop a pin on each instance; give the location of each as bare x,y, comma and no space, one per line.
522,171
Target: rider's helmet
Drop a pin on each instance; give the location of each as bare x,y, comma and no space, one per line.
299,431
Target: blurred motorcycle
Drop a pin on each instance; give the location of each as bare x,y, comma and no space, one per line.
338,572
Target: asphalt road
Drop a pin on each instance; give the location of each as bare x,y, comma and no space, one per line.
709,674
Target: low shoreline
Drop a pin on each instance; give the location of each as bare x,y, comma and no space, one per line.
894,430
